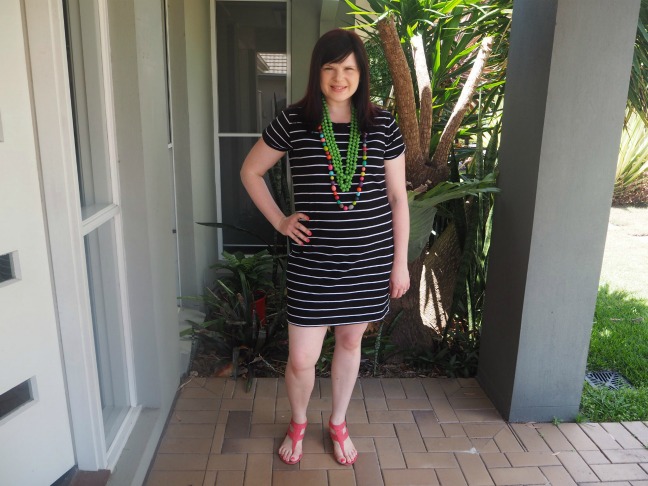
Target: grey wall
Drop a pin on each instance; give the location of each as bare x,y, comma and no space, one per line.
567,86
147,205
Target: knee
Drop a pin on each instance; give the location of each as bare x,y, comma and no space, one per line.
348,343
299,361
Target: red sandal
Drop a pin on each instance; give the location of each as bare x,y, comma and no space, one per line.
340,433
296,432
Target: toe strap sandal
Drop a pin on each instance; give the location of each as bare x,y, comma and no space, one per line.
340,433
296,433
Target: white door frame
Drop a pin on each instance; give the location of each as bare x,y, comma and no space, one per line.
52,101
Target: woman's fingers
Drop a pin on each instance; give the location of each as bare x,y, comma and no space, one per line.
292,227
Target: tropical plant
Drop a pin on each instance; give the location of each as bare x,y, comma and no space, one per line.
456,52
633,153
638,91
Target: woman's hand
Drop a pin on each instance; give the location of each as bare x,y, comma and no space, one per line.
292,227
399,282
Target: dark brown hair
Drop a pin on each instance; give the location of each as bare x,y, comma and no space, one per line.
333,47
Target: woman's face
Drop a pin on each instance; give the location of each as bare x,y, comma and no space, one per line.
339,80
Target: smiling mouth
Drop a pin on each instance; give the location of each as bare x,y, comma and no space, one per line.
338,88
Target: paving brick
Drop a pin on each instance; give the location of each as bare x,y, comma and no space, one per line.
199,393
408,404
389,453
451,477
521,459
554,438
314,439
471,392
281,388
230,387
194,417
250,446
481,415
448,444
428,424
266,388
230,478
345,477
189,431
517,476
557,475
326,390
577,467
639,483
619,472
606,483
258,469
313,477
622,436
627,455
529,437
362,444
198,404
267,430
594,457
468,382
241,389
180,462
409,477
495,459
223,415
419,460
240,404
357,413
216,385
315,392
210,478
175,478
473,469
217,440
320,461
639,430
238,425
484,445
227,462
372,430
390,417
453,430
409,438
449,385
320,404
192,445
433,388
393,388
263,410
464,403
367,470
577,437
356,394
375,403
601,437
413,388
483,430
443,410
372,388
507,442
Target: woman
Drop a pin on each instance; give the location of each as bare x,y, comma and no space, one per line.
349,233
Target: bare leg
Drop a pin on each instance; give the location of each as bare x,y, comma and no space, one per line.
344,373
304,348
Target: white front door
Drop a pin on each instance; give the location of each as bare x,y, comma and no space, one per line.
35,436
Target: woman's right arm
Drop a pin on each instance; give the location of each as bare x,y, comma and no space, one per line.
260,159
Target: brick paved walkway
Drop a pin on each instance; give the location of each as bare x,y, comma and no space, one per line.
425,431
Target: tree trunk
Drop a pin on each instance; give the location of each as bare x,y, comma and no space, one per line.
425,93
427,304
405,101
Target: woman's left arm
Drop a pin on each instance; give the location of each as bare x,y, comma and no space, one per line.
397,196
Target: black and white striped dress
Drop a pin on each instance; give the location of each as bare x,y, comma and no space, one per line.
342,275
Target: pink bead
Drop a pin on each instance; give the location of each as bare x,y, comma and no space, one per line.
345,208
330,167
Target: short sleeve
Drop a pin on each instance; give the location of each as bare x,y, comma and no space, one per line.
395,144
277,134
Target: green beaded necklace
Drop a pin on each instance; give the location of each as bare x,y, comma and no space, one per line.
344,171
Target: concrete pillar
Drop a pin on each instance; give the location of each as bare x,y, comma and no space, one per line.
567,86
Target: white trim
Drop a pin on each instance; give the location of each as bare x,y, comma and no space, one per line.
98,218
217,168
125,429
52,104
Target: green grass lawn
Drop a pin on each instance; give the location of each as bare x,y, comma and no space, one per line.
619,343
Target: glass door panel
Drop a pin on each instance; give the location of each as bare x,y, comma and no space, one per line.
103,284
251,56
